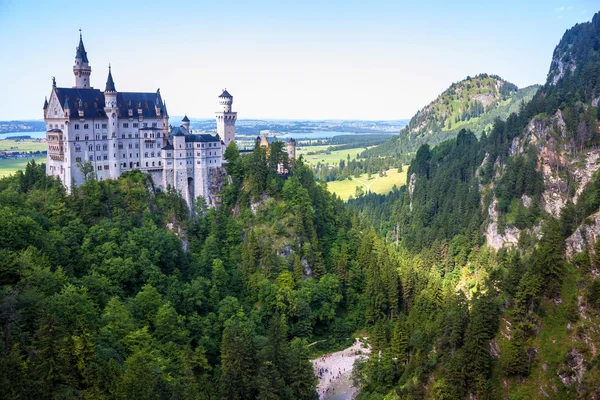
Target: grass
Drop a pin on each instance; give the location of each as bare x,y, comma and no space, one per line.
11,165
333,158
22,145
379,185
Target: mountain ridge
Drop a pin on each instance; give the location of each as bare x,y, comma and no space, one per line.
472,103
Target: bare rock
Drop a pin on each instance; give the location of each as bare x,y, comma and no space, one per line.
576,368
494,349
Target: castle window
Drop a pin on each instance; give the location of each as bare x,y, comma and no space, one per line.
158,154
152,154
106,157
154,124
198,154
137,164
99,168
137,145
78,159
104,126
77,138
91,158
146,163
97,137
153,163
168,154
146,154
159,163
122,136
76,126
145,124
77,149
202,145
120,146
87,137
145,135
91,147
104,147
124,155
129,136
98,158
106,167
97,147
135,124
131,145
97,126
125,125
136,135
86,126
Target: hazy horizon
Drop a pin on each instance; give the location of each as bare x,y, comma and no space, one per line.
293,61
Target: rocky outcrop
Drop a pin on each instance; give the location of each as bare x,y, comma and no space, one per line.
496,240
558,68
576,368
584,237
411,187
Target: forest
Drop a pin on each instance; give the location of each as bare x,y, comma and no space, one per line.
118,291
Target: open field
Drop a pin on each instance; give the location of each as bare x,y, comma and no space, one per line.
377,184
22,145
11,165
332,158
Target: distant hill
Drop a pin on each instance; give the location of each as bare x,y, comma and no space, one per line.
473,103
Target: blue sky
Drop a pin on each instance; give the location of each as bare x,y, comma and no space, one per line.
279,59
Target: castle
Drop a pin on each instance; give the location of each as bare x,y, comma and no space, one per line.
118,132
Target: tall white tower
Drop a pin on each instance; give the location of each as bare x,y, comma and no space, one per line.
82,69
111,109
226,118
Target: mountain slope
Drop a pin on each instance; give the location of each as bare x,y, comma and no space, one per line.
506,226
473,103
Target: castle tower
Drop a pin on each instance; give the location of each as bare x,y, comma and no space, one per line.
185,122
165,122
81,69
291,149
111,110
226,118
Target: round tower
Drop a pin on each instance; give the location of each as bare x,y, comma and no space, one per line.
226,118
82,69
291,149
111,110
185,122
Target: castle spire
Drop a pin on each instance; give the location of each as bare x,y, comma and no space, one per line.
110,84
45,102
81,53
81,69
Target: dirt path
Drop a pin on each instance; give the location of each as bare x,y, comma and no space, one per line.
368,187
334,370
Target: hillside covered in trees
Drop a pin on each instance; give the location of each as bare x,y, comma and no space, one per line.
472,104
504,232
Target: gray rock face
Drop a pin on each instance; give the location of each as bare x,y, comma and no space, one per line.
574,374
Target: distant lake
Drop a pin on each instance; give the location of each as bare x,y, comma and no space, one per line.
33,135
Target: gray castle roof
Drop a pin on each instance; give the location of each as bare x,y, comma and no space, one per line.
226,94
195,137
110,84
185,119
81,53
93,102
